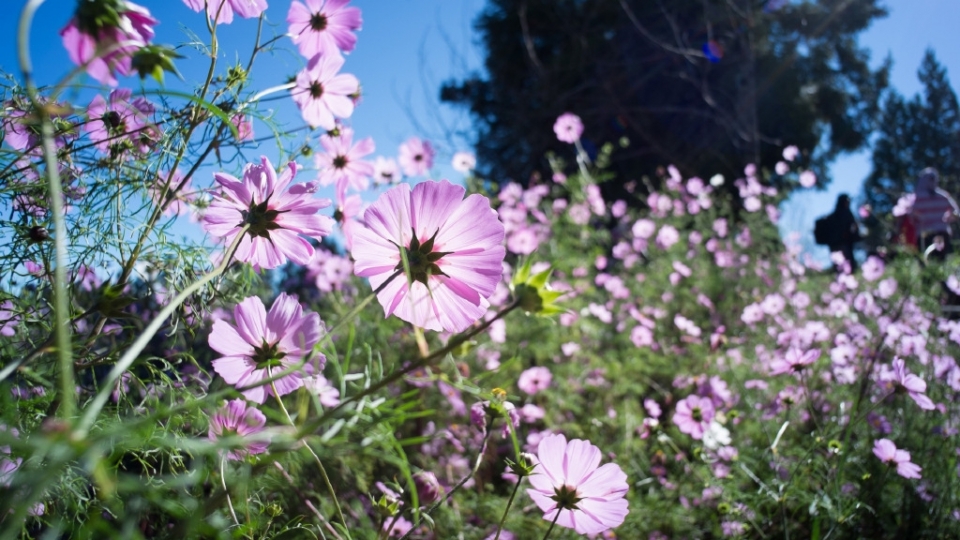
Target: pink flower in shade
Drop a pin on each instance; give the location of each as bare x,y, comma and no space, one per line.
416,157
887,452
453,251
323,26
9,320
118,124
264,344
808,179
568,479
534,380
568,128
277,214
693,415
914,386
236,419
790,153
341,161
794,361
104,48
244,127
322,93
223,10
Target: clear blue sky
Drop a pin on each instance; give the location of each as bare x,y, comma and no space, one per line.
408,47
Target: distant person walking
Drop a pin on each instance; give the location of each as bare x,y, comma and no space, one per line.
844,232
933,211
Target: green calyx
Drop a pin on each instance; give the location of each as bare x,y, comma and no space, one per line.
566,497
419,261
260,219
532,292
267,356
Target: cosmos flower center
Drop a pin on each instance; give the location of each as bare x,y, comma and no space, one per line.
267,356
316,89
418,157
566,497
260,219
696,414
112,120
340,162
421,259
318,22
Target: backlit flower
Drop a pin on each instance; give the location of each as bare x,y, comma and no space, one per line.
103,45
416,157
342,163
452,248
323,26
223,10
236,419
322,93
265,344
568,479
276,212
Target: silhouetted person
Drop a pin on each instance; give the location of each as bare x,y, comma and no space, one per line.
845,231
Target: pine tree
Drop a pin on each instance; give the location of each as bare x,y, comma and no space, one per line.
915,134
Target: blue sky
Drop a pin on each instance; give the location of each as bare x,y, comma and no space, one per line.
408,47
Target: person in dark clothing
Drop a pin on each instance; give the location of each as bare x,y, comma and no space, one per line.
846,232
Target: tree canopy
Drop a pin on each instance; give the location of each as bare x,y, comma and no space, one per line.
706,85
913,134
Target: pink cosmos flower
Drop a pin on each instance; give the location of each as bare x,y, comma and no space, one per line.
322,93
236,419
348,208
264,344
105,49
568,480
568,128
914,386
464,162
534,380
341,161
794,361
416,157
117,125
453,251
179,203
323,26
790,153
9,320
223,10
808,179
386,171
693,415
276,212
887,452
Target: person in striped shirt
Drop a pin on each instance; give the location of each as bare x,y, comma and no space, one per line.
933,211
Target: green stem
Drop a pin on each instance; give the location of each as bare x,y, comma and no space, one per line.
513,494
323,470
122,365
476,467
552,524
68,393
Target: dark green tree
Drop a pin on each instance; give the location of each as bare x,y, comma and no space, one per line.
707,85
922,132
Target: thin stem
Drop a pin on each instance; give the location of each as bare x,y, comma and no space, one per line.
144,338
552,524
473,471
223,482
506,510
68,397
323,470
